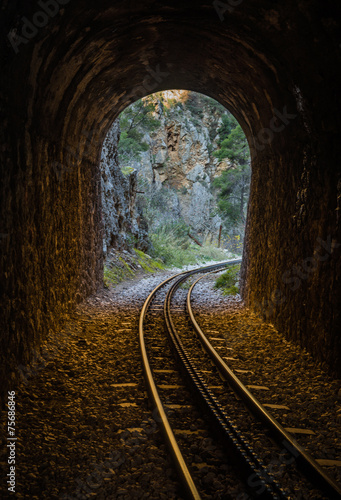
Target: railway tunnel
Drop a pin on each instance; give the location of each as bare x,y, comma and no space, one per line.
69,69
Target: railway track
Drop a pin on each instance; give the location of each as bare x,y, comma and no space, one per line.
174,349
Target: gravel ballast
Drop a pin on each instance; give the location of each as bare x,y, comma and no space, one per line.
84,425
292,378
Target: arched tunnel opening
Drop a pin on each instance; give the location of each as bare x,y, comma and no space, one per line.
175,181
70,68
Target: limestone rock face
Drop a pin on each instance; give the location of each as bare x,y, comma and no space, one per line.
122,220
180,159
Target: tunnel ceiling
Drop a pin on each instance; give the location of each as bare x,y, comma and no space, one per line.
88,62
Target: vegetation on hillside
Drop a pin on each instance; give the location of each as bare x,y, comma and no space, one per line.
123,268
134,122
233,184
228,282
172,243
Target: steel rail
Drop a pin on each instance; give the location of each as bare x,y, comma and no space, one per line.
307,463
180,463
254,465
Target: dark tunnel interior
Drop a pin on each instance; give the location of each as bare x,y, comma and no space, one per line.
274,65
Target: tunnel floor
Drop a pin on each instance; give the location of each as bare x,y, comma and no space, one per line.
85,428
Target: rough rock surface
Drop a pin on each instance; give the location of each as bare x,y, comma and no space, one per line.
123,223
180,159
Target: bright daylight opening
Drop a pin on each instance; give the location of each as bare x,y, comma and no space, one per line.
176,176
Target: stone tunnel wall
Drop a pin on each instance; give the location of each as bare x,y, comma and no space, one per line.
295,285
50,244
63,84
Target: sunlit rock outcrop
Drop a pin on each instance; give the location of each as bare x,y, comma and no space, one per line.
180,158
123,223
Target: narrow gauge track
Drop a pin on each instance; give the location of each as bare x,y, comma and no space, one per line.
260,482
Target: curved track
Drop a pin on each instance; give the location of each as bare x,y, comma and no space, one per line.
251,465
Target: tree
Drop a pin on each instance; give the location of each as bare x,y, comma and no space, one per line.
234,146
233,184
134,122
228,124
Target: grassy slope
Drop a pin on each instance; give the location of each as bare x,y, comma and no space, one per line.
123,268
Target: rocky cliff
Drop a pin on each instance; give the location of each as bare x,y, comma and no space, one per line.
174,175
123,223
179,160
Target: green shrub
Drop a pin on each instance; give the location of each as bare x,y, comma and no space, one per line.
126,170
147,263
116,274
228,281
171,242
122,270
